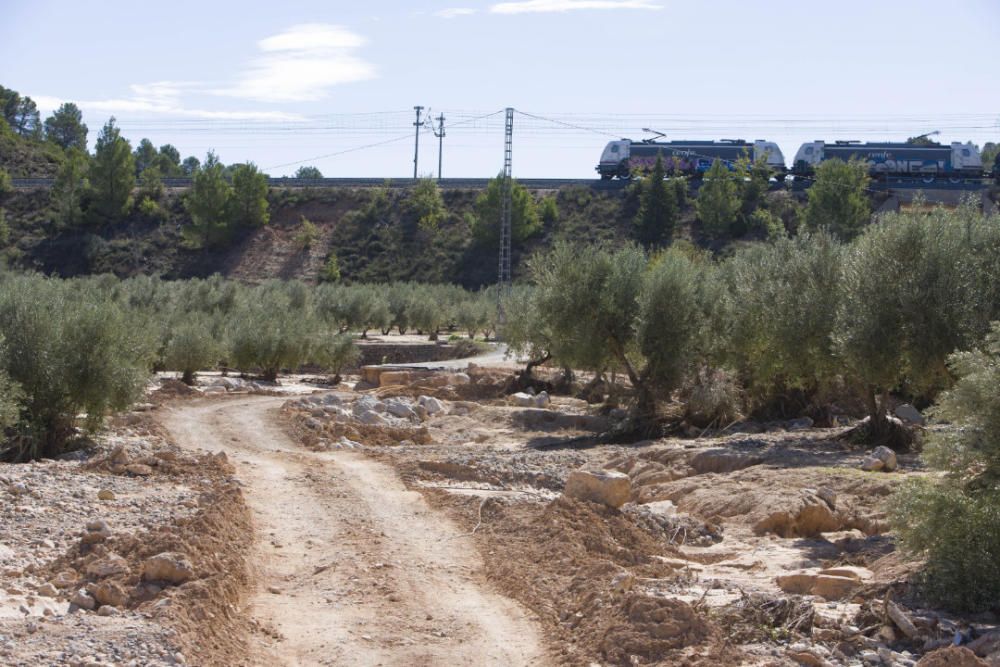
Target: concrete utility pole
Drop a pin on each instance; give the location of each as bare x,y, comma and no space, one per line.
439,133
416,140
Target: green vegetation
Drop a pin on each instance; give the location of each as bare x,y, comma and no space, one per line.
658,206
308,172
953,519
718,200
838,199
65,128
112,175
524,219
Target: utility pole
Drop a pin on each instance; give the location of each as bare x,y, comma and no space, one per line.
439,133
505,231
416,139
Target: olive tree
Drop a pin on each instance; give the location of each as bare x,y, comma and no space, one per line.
781,312
915,287
192,345
70,351
952,520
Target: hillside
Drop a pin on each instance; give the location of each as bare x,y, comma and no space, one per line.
369,247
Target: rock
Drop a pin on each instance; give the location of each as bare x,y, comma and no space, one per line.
110,566
953,656
459,378
432,405
399,409
108,610
168,566
108,592
139,469
828,495
105,494
214,390
902,621
119,455
986,645
521,400
860,574
800,424
872,464
607,487
372,418
17,489
798,583
909,414
834,588
314,424
65,579
542,400
806,657
47,590
332,399
886,456
83,600
98,526
226,383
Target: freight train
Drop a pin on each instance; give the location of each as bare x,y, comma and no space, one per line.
928,161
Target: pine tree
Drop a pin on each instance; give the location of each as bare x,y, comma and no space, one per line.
112,174
70,186
657,207
718,200
249,201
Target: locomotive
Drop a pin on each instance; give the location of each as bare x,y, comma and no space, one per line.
927,161
886,159
621,158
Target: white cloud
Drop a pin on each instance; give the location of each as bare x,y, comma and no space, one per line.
161,98
453,12
539,6
301,64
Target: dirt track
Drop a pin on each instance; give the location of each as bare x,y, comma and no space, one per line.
354,568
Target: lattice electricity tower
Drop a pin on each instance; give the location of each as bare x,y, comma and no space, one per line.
503,282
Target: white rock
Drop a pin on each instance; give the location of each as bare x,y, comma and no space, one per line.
226,383
522,400
214,389
459,378
608,487
432,405
542,400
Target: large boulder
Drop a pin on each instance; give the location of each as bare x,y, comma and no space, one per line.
169,566
111,565
909,414
607,487
432,405
398,408
953,656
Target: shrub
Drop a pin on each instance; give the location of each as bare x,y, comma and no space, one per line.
524,220
333,352
954,520
331,269
308,233
192,346
838,200
712,396
71,351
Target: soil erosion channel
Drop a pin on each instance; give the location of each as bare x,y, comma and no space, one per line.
354,569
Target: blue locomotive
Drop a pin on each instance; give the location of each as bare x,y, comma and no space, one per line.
693,158
927,161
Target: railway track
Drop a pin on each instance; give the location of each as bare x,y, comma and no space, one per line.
903,184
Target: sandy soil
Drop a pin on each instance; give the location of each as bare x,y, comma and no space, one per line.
354,568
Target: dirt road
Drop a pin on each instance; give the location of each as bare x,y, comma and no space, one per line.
354,568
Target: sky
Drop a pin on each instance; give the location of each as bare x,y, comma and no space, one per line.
333,84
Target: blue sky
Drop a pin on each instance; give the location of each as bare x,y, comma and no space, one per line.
279,83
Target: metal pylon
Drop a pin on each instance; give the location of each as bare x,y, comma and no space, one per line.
503,282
